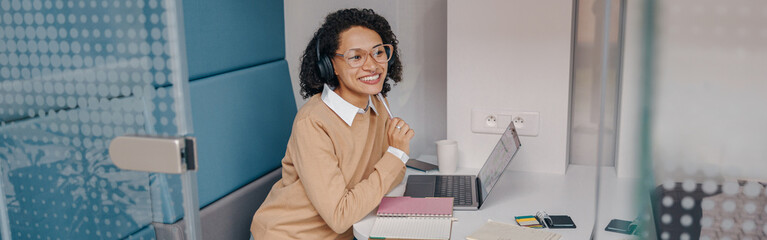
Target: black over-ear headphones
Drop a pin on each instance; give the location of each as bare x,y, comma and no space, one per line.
326,65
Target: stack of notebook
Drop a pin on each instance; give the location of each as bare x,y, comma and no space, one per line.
543,220
413,218
528,221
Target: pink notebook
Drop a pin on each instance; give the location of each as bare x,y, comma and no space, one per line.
409,207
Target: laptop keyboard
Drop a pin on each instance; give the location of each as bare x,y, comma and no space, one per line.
458,187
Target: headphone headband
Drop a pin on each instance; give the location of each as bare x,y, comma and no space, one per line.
317,46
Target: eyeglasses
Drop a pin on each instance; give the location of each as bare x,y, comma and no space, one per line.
356,57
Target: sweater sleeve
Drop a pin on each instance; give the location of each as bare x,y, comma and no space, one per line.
318,168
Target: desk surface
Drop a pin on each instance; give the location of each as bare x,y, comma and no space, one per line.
525,193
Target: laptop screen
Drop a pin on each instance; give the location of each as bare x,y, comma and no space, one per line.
504,151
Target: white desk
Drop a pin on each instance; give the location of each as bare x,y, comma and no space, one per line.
524,193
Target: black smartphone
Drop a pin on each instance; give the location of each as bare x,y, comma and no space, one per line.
420,165
621,226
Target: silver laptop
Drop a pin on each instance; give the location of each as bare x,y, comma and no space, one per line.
468,191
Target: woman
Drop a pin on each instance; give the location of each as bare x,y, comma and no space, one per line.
345,151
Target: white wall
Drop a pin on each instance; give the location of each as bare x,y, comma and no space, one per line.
421,29
512,55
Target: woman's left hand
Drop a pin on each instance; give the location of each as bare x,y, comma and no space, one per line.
399,134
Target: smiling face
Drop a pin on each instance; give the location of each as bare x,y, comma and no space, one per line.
355,85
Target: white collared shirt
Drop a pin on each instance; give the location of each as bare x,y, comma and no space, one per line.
347,111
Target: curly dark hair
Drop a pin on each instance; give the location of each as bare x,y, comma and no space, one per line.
329,36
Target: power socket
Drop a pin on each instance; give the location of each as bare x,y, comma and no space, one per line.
491,121
519,122
495,121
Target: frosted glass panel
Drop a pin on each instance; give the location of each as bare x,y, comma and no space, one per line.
706,125
74,75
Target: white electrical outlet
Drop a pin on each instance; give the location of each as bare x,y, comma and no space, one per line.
491,121
495,121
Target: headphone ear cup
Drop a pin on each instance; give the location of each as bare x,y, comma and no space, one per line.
326,68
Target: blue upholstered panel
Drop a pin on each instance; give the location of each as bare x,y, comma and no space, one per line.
224,35
242,121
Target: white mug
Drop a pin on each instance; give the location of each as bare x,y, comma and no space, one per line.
447,156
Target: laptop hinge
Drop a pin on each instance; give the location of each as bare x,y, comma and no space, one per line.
479,193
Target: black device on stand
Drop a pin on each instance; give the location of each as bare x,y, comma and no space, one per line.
622,226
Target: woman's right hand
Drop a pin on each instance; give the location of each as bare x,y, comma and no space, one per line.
399,134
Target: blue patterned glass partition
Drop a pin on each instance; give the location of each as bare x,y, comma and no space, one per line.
74,75
703,119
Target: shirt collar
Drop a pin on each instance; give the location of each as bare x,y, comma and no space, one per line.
345,110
